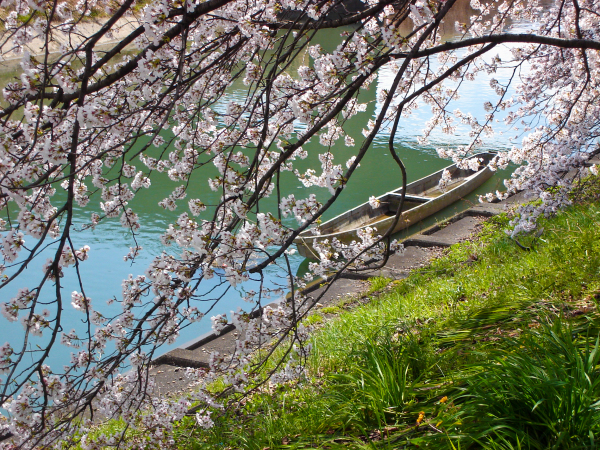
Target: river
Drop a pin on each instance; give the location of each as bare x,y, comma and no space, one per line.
109,242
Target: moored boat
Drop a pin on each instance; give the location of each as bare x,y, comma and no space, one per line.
423,198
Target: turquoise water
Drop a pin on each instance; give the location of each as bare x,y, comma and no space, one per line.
109,242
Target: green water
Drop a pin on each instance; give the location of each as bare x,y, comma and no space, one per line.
378,173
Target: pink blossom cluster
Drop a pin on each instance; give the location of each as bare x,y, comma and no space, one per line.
88,130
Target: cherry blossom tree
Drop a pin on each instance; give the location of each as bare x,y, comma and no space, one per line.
83,126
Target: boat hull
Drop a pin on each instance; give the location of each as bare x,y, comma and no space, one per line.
346,226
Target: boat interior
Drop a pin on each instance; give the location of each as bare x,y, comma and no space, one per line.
428,187
388,208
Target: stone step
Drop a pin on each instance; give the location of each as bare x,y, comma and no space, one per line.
594,160
383,272
181,357
456,231
196,353
486,210
428,241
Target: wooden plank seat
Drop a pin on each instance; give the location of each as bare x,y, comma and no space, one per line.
412,198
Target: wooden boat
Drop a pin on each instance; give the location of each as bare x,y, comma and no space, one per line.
423,198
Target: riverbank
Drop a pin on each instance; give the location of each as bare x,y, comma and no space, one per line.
420,250
490,345
87,28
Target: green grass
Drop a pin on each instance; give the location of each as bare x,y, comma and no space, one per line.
377,284
488,347
540,392
313,319
330,310
379,387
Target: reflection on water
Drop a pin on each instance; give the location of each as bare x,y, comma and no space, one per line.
105,269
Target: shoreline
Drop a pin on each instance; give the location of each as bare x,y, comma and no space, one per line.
420,249
123,27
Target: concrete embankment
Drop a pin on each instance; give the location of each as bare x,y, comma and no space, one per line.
419,250
123,28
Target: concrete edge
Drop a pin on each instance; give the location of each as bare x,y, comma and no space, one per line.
178,356
174,357
426,241
181,358
206,338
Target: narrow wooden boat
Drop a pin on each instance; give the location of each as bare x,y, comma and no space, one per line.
423,198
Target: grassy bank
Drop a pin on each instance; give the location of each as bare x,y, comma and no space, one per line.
490,346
